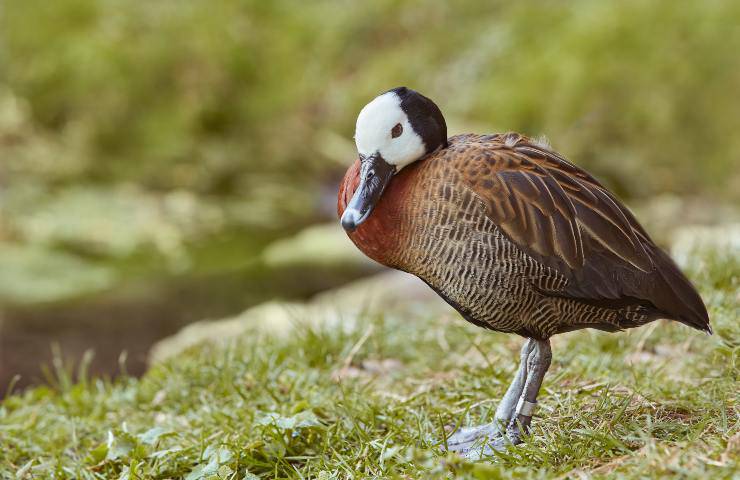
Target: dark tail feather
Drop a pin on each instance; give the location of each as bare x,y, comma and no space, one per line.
678,297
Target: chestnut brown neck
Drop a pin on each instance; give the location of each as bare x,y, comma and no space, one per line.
380,236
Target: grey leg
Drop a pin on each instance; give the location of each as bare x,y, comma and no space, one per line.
537,363
506,408
464,438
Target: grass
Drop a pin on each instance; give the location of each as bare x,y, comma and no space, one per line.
660,401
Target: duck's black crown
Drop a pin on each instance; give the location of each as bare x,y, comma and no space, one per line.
425,117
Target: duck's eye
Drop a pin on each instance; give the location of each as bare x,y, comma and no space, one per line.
397,131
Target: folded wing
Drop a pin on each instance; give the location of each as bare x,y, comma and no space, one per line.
567,220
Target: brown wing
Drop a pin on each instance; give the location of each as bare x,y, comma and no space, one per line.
564,218
556,210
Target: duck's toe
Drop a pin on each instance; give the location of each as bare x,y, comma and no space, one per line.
486,448
464,438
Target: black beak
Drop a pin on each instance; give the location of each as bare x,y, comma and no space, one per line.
375,173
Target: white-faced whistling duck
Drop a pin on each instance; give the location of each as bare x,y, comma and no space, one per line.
508,232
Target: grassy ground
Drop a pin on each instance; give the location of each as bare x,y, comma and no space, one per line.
661,401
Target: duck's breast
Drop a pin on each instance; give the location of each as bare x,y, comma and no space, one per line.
384,234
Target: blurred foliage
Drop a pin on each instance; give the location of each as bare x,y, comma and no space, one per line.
207,95
242,111
34,274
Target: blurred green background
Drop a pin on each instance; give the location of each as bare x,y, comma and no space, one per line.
152,152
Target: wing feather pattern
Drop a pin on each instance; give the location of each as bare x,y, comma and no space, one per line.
567,220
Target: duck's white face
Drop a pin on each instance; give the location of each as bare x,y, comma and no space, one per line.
397,128
384,128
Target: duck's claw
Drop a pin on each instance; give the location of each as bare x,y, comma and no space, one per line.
464,438
485,447
477,443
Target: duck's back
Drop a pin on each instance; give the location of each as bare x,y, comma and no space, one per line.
517,239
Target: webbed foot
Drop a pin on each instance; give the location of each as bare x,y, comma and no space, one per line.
485,446
464,438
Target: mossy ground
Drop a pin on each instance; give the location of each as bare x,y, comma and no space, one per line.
659,401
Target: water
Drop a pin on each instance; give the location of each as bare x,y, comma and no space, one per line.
120,326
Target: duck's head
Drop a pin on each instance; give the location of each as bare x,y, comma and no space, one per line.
396,129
